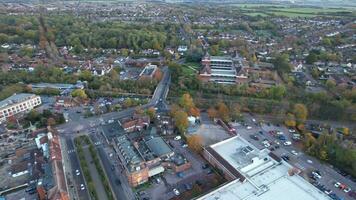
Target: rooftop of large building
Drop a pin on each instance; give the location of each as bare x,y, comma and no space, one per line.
158,146
128,151
264,177
16,98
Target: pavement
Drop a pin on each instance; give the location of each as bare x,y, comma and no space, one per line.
302,161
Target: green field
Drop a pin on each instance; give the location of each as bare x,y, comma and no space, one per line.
271,9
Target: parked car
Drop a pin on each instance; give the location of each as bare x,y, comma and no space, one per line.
178,137
188,186
291,130
347,190
294,152
337,184
285,157
205,166
248,127
316,174
287,143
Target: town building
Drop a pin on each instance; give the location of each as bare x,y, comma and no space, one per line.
18,103
149,72
222,69
135,123
256,174
145,157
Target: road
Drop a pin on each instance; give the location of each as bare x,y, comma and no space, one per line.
302,161
73,159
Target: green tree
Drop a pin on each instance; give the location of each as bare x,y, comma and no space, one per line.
281,63
79,93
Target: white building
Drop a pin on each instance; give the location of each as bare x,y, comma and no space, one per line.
256,174
18,103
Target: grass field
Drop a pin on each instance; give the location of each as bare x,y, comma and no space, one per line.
290,11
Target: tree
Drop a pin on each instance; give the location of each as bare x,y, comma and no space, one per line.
186,102
79,93
236,112
212,113
181,121
51,121
311,58
86,75
223,112
281,63
114,75
194,112
195,143
151,112
128,102
330,83
214,50
290,120
277,92
300,112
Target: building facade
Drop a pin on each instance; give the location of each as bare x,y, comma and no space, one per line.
225,70
18,103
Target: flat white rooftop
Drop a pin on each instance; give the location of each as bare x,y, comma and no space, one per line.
266,179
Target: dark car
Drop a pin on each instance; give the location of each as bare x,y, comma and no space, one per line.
198,182
254,137
205,166
188,186
285,158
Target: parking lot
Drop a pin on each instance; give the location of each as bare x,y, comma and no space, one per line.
210,132
256,133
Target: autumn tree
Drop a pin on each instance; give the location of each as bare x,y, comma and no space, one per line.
290,120
51,121
151,112
186,102
195,143
194,112
223,112
301,112
181,121
212,112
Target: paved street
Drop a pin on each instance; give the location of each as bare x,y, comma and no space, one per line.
74,162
